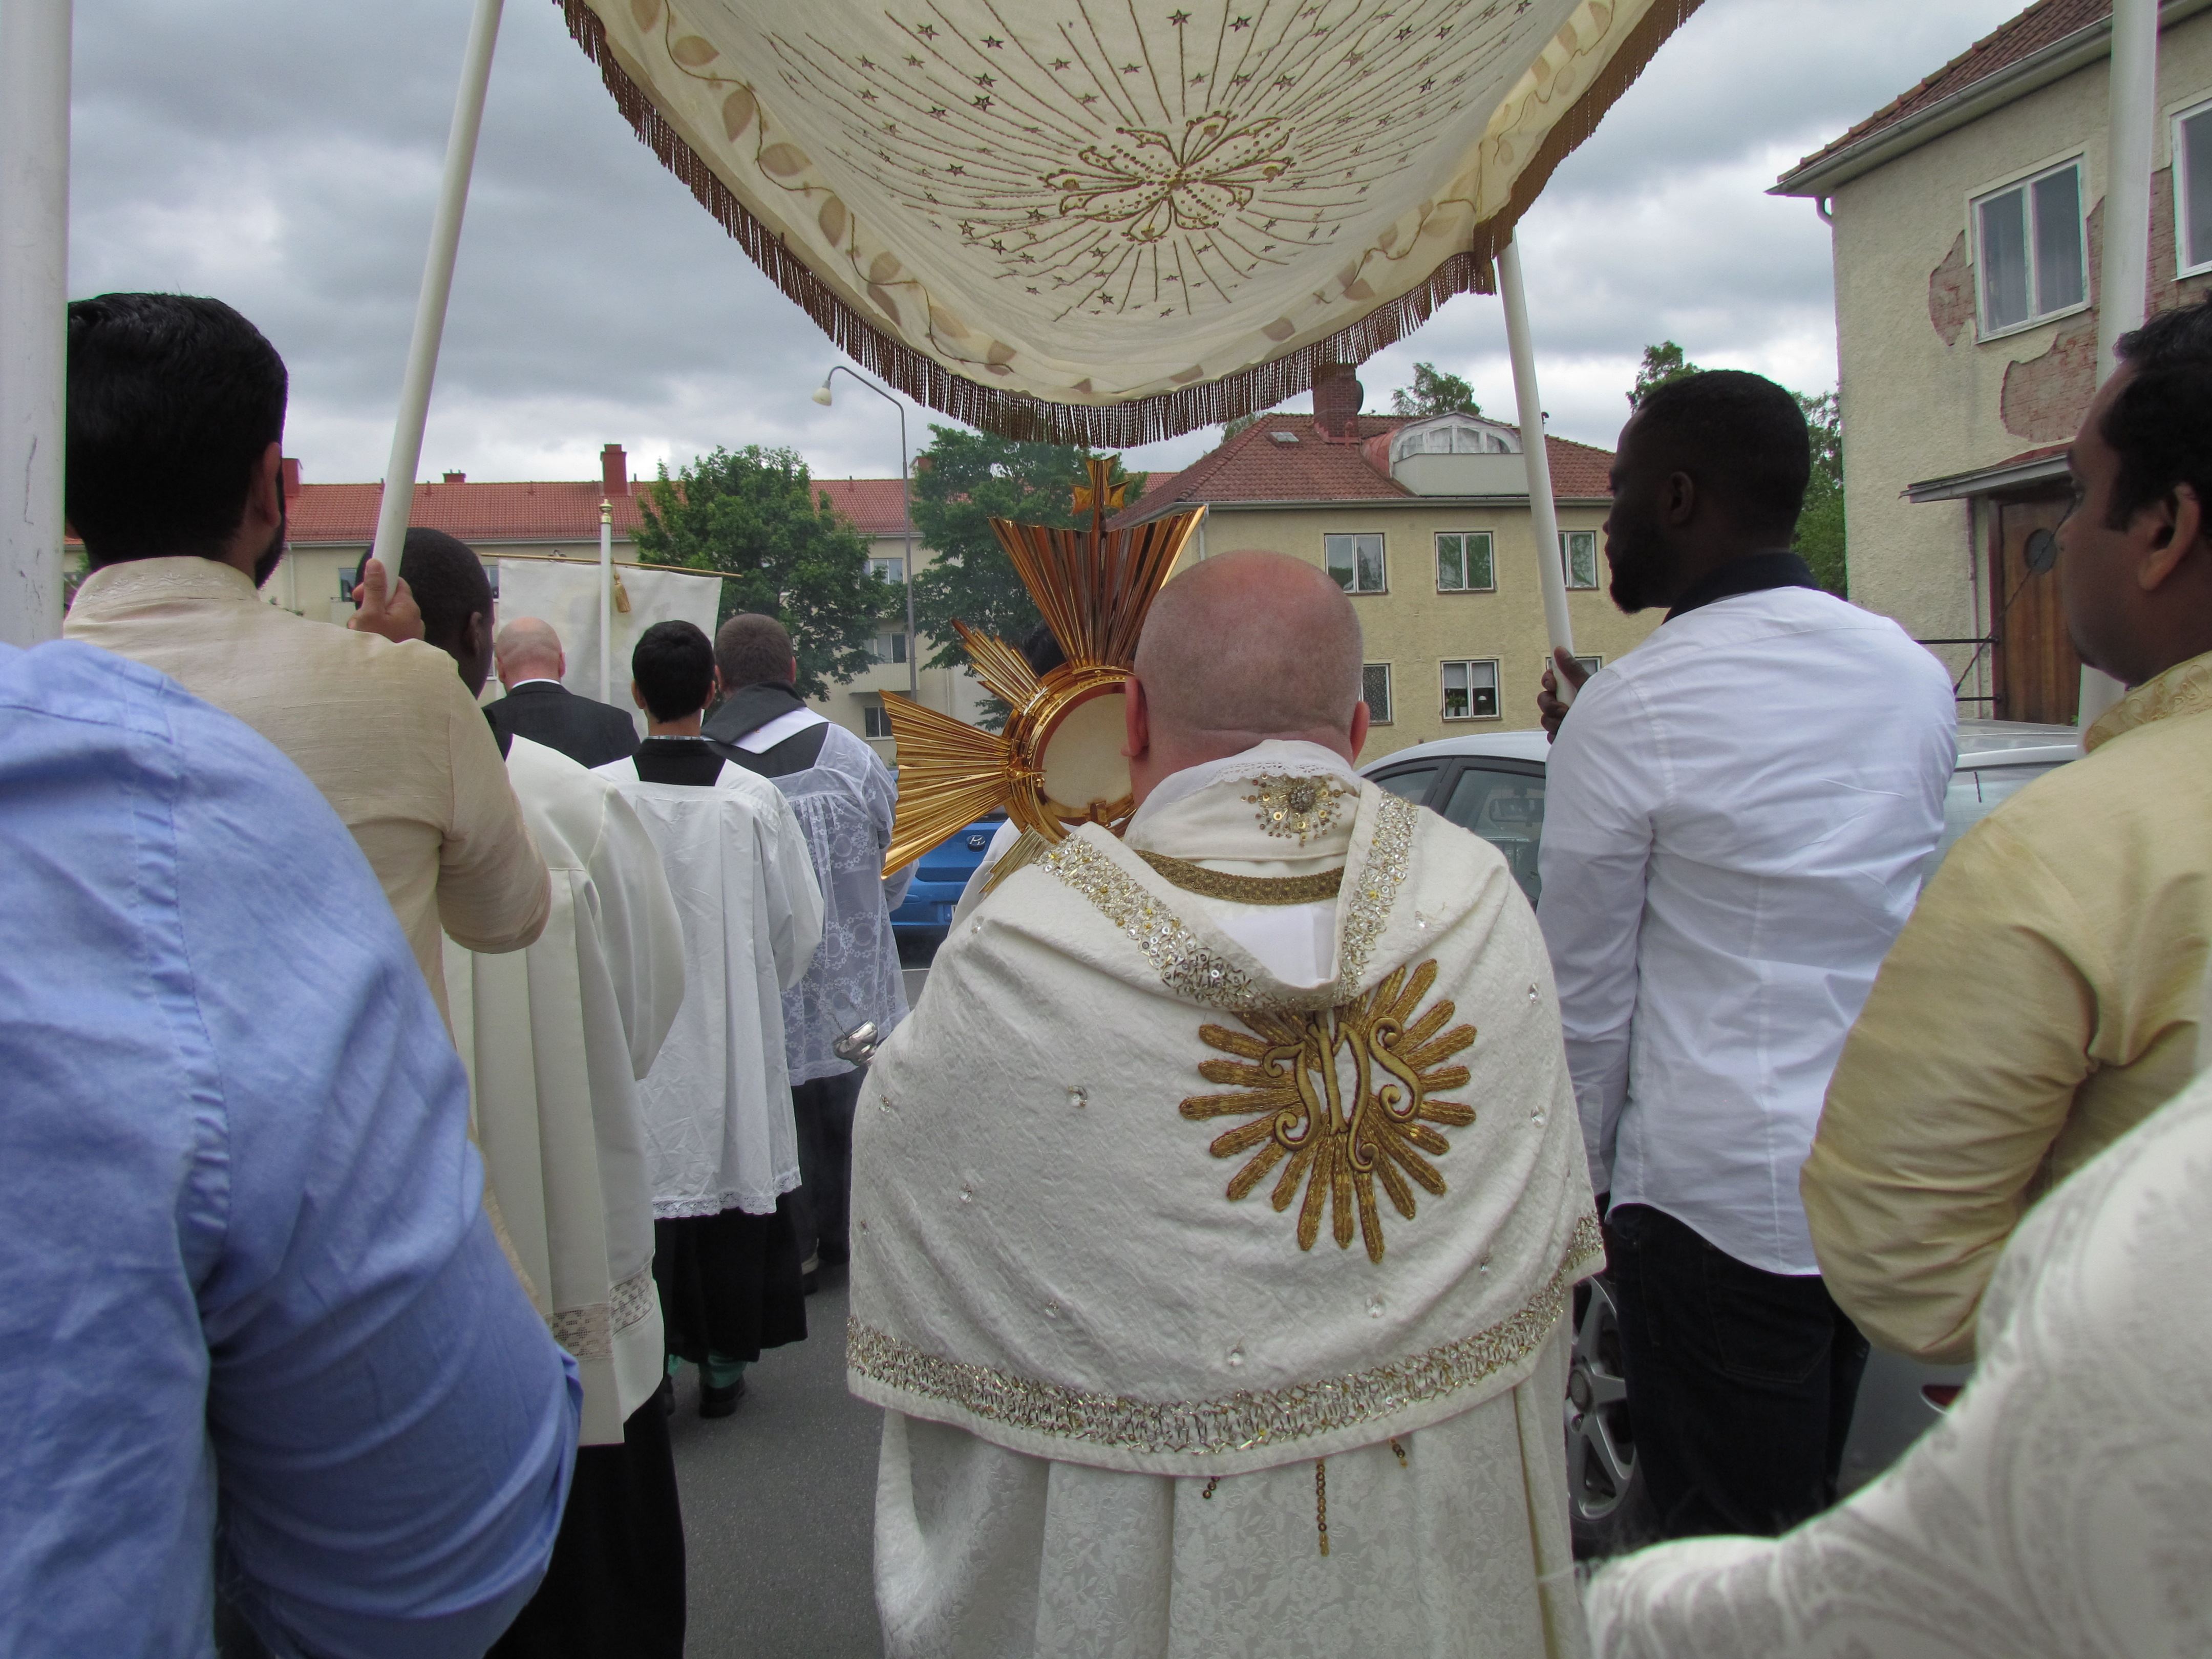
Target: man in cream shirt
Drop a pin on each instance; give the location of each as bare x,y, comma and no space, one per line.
2042,999
1215,1213
176,414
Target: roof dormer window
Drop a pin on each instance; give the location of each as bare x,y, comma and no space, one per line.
1453,435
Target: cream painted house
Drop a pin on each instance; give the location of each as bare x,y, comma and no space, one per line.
1966,220
1426,524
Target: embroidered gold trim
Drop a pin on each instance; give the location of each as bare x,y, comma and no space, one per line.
1348,1096
1230,1423
1028,847
1242,890
1188,967
1291,805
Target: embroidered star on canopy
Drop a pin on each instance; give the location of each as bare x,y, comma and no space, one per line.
1348,1097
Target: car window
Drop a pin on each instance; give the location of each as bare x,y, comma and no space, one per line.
1973,795
1411,783
1506,809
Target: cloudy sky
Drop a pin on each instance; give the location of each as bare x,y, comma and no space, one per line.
284,156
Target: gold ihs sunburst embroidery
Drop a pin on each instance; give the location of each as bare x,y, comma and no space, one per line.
1343,1100
1297,807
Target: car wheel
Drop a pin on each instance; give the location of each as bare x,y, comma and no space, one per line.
1605,1505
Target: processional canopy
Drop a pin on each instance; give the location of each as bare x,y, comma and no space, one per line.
1108,222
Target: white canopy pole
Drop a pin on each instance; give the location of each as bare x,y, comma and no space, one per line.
1543,514
399,497
2132,100
34,143
606,600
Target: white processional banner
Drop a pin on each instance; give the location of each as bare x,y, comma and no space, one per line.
566,593
1112,222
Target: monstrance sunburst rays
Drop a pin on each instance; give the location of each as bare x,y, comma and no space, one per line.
1348,1096
1093,586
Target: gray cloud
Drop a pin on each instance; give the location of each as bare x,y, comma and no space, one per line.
285,157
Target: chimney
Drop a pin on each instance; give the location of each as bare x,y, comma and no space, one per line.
1337,395
457,477
290,467
614,471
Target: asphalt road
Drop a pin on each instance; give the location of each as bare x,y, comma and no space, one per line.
779,1504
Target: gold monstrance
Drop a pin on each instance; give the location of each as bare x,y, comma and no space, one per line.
1059,761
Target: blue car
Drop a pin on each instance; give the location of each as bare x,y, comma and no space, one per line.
938,877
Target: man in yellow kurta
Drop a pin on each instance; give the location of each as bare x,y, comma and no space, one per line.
176,410
2044,997
1215,1212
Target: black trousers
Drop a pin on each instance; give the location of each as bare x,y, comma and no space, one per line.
730,1283
616,1584
823,1110
1740,1383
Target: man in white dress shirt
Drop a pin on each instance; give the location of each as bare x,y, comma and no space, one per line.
1738,814
717,1102
1216,1211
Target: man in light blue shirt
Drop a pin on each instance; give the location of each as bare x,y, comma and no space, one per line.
250,1311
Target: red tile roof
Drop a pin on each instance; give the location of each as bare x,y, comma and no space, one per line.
2044,24
1252,466
560,511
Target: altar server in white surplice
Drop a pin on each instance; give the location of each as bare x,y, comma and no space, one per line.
1216,1212
717,1102
554,1039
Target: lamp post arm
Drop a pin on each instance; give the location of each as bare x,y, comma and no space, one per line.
906,510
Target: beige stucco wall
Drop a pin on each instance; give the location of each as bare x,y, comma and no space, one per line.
1416,629
1915,408
948,690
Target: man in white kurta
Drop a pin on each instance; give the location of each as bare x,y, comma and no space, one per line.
717,1102
2056,1512
1216,1211
554,1039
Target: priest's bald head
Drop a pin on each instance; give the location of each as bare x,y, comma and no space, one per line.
1238,649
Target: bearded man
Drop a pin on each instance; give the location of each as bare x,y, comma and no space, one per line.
1216,1211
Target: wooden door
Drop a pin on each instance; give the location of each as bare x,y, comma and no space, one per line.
2038,677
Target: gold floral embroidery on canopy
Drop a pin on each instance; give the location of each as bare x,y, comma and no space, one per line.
1348,1097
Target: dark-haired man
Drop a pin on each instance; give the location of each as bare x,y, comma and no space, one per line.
1738,812
555,1038
845,800
717,1102
531,666
176,414
2044,999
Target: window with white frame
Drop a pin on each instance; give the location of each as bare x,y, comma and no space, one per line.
875,720
887,571
888,647
1578,557
2193,191
2032,249
1471,689
1375,691
1463,562
1589,665
1355,561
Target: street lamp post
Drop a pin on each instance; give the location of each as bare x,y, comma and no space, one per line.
822,395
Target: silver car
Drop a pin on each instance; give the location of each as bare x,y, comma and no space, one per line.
1492,783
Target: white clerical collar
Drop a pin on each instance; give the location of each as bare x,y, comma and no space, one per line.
768,733
1275,755
542,680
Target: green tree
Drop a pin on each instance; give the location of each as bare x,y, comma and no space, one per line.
962,482
752,514
1661,364
1820,521
1435,392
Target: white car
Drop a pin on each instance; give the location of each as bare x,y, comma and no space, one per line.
1492,783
